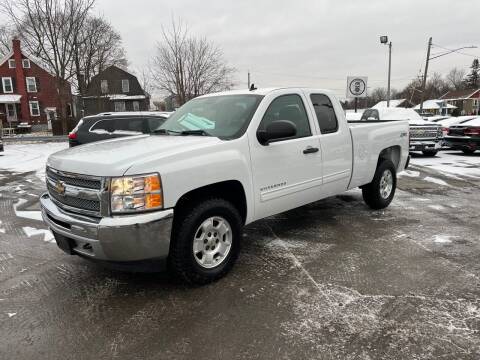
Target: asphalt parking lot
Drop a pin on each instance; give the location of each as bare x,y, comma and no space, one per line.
331,280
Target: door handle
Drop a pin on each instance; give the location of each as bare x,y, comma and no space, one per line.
310,150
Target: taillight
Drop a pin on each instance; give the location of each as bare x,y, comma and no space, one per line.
472,131
72,136
444,131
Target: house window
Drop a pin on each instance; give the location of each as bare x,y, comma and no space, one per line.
26,63
34,108
11,63
31,84
136,106
104,86
119,105
125,86
7,85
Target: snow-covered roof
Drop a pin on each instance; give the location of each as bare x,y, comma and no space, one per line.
6,57
129,113
265,91
10,99
393,103
435,105
117,97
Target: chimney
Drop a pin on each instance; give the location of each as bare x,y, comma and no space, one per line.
16,46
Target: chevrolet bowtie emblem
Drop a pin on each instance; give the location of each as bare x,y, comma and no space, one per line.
60,187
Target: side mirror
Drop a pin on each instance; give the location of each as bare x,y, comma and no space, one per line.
276,130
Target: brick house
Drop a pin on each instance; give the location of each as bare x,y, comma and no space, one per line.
28,93
467,101
115,89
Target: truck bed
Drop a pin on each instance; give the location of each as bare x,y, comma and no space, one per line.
369,138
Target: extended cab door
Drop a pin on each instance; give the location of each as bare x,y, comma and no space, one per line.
335,141
286,173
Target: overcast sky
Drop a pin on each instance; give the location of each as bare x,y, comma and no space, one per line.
308,42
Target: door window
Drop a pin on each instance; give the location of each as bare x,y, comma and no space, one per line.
327,120
129,126
291,108
103,127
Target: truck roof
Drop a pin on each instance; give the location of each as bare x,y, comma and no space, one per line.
265,91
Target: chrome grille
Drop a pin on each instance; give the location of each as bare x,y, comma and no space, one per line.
424,132
75,181
75,192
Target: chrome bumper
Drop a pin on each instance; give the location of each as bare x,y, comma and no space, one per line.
120,238
419,145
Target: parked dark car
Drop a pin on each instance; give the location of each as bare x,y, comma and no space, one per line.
112,125
465,136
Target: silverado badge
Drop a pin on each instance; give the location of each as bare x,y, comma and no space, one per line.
60,187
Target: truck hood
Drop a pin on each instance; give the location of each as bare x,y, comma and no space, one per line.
114,157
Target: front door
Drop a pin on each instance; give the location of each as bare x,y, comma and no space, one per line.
11,113
287,173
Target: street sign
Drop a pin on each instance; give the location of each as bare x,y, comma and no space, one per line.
356,87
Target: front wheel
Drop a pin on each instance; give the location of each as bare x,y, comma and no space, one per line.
206,241
430,152
380,192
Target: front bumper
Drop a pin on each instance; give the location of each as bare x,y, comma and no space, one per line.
127,238
425,145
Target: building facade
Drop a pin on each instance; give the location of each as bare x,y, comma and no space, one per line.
114,90
466,101
29,93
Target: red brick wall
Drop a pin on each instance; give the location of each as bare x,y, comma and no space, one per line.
46,94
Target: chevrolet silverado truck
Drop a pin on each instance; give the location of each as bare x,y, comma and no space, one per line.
181,195
425,136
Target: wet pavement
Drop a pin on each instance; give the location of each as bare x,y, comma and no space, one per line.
333,279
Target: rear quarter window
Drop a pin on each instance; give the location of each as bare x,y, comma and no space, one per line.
326,117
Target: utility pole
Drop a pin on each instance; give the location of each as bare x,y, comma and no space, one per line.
424,82
389,72
384,40
248,79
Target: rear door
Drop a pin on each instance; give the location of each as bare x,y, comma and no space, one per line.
286,173
335,141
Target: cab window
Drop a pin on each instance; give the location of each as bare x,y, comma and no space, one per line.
288,107
327,120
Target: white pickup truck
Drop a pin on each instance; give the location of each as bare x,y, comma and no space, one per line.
181,195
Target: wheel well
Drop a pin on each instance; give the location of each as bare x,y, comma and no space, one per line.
391,153
231,190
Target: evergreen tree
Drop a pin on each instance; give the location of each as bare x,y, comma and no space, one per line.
472,80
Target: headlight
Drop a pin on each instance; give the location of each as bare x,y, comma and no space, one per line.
136,193
439,132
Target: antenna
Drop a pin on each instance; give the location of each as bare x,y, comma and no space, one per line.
252,87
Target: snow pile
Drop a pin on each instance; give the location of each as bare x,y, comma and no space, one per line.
29,157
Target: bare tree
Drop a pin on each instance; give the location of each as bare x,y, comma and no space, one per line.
189,66
98,46
455,78
49,30
6,35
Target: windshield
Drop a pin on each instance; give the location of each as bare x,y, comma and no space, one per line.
223,116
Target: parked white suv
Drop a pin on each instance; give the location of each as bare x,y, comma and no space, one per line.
219,162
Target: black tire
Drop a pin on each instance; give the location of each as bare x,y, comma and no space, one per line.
468,151
371,192
181,259
430,152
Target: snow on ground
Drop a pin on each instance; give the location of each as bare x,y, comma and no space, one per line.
452,163
29,157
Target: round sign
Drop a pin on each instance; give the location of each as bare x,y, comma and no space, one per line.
357,87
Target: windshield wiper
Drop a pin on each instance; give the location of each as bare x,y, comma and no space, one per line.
164,131
194,132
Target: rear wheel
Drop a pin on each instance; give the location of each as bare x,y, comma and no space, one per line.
206,241
380,192
430,152
468,151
